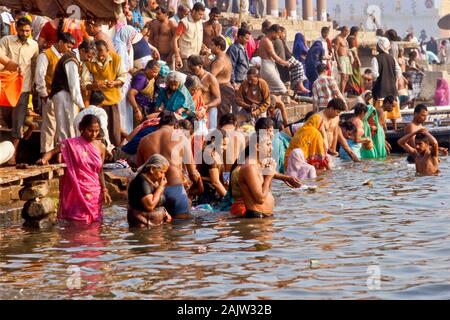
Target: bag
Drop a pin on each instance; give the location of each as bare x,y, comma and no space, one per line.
11,88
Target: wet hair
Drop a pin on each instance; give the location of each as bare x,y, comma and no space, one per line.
274,28
220,42
23,22
96,98
253,72
322,67
389,99
66,37
100,43
193,82
422,137
360,108
368,71
162,9
195,60
87,121
167,118
198,7
242,32
263,124
151,64
348,126
215,10
87,45
420,107
337,104
228,118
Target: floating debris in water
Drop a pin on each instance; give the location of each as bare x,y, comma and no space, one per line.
308,188
201,249
368,182
313,263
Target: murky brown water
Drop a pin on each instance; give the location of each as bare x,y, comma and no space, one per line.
330,244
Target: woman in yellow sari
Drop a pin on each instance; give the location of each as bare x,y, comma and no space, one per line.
310,140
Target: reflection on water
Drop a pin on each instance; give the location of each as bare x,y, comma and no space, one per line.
320,245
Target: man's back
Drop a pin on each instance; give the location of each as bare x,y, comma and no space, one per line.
167,143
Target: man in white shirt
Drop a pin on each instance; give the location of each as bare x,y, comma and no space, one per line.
45,68
23,50
95,102
66,95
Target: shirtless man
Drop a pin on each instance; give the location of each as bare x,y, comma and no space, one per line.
221,68
211,89
175,148
360,111
420,116
331,131
342,57
162,30
256,185
94,29
425,152
269,71
212,28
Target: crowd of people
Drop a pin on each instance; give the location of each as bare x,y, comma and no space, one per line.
200,111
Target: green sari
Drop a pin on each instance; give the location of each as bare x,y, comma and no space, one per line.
379,138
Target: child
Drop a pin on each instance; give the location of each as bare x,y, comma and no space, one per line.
403,94
349,133
82,188
425,153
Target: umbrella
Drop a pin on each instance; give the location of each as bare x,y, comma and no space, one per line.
77,9
444,23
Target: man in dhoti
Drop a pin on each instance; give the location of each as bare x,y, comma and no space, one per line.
269,71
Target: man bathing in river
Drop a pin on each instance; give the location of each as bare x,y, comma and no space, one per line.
425,152
174,148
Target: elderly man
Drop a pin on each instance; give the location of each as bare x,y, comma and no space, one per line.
108,75
24,51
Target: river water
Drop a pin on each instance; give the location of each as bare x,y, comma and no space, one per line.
386,239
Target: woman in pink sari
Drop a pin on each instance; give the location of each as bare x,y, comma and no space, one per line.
82,188
442,94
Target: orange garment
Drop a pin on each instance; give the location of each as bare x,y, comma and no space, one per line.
11,88
310,140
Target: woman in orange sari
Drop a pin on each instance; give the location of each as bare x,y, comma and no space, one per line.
310,140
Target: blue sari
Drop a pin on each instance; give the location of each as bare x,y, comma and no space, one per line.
300,48
313,59
181,98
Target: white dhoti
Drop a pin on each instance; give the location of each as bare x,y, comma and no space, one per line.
6,151
269,72
48,127
125,109
65,112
